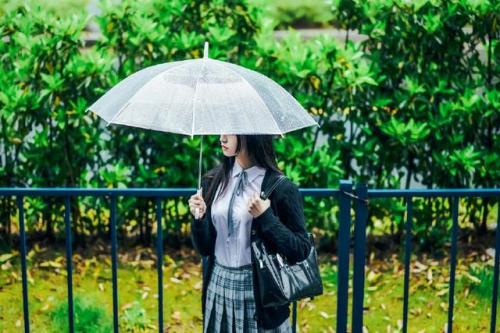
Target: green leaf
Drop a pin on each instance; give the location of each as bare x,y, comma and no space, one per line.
54,81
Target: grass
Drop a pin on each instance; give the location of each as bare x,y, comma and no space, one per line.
138,298
137,281
88,318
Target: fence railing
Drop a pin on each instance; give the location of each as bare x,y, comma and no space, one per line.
346,195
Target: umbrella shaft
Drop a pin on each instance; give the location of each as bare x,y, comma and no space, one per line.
199,162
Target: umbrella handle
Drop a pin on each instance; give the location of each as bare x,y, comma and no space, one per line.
197,210
198,191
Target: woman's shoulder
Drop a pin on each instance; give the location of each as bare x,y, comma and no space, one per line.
206,179
210,174
286,187
287,195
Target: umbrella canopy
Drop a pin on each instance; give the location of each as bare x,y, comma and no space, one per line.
202,97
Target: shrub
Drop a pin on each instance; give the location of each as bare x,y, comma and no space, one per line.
88,317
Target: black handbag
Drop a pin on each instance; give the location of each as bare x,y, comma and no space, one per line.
279,282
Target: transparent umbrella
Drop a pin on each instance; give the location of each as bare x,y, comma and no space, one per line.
202,97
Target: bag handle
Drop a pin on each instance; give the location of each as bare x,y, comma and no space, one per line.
264,195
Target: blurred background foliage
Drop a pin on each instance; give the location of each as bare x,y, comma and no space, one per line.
414,101
54,7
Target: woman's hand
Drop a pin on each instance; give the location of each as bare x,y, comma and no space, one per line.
257,206
196,201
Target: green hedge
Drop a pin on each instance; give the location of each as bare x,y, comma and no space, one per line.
416,100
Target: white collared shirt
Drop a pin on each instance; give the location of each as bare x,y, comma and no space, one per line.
234,251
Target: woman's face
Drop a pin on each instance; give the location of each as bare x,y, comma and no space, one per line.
228,144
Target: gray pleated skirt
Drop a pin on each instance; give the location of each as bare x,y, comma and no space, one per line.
230,303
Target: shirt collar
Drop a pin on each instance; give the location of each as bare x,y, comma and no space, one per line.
252,172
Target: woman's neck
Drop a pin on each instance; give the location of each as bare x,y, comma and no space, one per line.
244,161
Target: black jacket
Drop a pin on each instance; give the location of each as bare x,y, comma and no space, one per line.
282,227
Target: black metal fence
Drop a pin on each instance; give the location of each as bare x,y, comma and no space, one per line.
346,195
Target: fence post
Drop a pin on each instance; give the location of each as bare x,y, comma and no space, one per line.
343,254
22,232
69,262
361,209
453,262
159,263
494,299
114,261
408,239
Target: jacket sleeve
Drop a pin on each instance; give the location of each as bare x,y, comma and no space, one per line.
286,233
203,233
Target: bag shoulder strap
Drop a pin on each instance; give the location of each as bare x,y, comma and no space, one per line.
265,194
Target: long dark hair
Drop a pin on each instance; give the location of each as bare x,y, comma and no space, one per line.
259,149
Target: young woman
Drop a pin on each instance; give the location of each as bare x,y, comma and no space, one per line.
231,215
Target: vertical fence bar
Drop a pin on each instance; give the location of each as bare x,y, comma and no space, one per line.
69,261
453,262
114,261
361,209
494,299
343,255
24,274
294,317
408,227
159,264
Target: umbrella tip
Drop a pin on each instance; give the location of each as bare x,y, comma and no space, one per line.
205,50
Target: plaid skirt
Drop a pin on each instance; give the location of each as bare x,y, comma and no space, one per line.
230,303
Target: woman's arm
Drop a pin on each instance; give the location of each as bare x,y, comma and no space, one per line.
286,233
203,233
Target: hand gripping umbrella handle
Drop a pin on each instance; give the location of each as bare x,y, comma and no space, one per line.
198,191
197,210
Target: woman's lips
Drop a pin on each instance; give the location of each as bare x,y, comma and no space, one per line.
224,147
